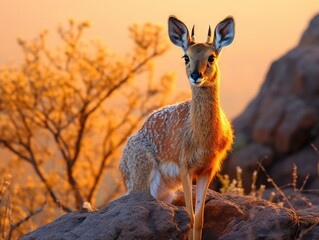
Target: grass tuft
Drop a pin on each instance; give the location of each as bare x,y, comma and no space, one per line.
236,185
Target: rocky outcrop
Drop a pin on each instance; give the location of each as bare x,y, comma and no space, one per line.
136,216
246,217
280,124
139,216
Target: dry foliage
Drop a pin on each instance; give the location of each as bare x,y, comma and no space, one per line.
64,117
236,185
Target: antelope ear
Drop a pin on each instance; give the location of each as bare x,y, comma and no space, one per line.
178,33
224,33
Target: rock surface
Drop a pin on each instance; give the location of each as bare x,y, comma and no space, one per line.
139,216
246,217
280,124
136,216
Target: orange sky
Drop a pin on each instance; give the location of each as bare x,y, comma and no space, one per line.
264,31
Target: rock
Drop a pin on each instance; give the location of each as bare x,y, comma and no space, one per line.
219,212
311,36
264,129
312,232
139,216
306,207
295,128
301,201
284,116
136,216
246,217
248,159
305,160
286,130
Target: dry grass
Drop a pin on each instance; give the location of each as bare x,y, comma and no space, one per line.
317,151
306,218
236,185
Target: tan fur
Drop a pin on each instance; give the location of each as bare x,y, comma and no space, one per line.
190,138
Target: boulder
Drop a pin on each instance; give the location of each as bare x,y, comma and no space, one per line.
135,216
139,216
245,217
282,121
311,35
248,158
305,160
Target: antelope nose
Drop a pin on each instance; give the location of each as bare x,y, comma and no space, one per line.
196,76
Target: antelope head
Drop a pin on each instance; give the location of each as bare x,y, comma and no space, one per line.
201,59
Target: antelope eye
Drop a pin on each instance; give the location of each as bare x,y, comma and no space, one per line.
186,58
211,58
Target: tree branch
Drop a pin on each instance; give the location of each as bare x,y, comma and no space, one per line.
15,225
106,155
15,151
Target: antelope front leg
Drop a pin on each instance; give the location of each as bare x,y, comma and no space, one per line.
188,195
202,183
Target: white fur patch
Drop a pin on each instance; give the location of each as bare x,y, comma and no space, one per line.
162,189
170,169
155,183
198,82
195,82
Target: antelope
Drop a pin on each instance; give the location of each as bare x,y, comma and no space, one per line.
187,140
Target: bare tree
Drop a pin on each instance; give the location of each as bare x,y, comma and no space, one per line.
67,112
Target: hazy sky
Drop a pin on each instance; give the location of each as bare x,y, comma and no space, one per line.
265,30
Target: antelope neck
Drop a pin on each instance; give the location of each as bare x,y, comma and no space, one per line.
205,111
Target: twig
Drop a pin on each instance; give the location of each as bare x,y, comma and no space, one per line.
15,225
304,183
317,151
294,177
269,179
